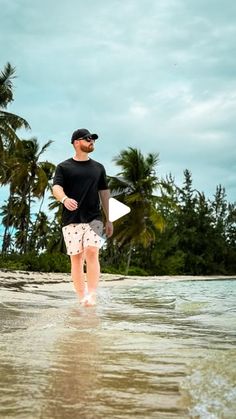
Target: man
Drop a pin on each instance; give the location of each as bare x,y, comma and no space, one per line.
80,185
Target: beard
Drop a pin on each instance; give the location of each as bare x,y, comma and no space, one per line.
87,148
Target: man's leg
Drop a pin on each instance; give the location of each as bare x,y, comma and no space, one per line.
91,254
77,273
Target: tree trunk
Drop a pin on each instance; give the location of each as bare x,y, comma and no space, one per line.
32,237
129,258
5,242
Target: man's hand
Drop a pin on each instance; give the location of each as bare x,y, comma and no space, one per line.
109,228
70,204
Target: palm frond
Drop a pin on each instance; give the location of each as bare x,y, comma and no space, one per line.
45,146
14,121
6,76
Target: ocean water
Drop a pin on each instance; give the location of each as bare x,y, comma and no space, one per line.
149,349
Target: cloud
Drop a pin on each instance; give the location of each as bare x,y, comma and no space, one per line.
158,76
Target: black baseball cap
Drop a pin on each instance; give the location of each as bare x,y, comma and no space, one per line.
82,133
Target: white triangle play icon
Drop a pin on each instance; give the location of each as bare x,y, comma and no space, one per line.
117,209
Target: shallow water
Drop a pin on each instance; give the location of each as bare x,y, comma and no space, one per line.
152,349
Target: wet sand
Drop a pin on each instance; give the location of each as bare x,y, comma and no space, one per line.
19,278
151,348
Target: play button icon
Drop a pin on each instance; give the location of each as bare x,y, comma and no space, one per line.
117,209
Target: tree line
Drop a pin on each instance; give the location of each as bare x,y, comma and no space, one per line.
171,229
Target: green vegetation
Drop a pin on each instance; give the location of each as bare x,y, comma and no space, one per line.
45,262
171,229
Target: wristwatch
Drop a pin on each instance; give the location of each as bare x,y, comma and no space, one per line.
63,199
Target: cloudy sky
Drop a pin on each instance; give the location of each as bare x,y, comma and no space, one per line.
158,75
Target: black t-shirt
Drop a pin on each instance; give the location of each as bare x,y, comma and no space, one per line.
81,180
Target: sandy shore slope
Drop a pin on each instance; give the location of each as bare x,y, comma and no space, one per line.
21,278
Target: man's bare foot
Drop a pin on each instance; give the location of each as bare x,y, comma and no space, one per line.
89,300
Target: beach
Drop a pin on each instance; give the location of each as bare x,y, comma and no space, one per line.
152,347
20,278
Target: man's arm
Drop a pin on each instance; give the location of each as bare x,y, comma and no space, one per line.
104,196
59,194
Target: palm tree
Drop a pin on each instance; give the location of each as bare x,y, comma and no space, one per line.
6,175
9,122
135,185
40,230
32,179
55,237
14,215
45,169
29,179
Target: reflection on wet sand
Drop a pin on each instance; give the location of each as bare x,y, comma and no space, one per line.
146,350
94,375
74,377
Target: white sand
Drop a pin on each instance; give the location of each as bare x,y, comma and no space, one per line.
22,277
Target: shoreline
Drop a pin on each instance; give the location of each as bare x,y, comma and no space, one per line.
20,278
